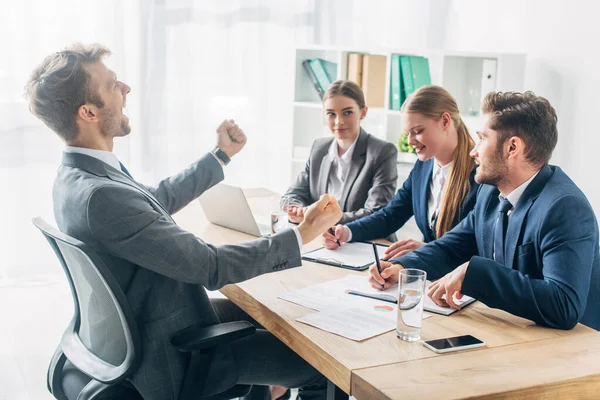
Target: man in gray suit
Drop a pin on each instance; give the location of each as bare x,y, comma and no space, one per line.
162,269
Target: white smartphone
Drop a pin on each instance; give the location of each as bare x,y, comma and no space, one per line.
456,343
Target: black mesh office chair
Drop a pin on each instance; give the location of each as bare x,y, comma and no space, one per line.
101,346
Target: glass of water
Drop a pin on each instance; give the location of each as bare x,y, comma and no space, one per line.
279,213
411,292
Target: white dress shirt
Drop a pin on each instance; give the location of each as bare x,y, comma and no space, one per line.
516,194
437,187
111,159
339,169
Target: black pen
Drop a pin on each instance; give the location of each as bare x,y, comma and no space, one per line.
333,233
377,261
383,297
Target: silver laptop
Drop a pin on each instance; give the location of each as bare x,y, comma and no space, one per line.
226,206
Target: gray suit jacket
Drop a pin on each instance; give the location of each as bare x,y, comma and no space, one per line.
161,267
370,184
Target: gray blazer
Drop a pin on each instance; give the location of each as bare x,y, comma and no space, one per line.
370,184
161,267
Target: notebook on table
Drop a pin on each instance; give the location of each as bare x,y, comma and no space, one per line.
391,295
357,256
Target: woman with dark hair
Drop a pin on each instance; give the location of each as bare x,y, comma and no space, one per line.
353,165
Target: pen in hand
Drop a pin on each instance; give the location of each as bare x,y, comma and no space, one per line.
377,261
333,233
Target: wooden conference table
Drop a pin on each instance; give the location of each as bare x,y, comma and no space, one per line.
520,360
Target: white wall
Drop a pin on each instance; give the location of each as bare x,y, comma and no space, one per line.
560,38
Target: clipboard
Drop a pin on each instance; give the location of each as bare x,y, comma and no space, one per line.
357,256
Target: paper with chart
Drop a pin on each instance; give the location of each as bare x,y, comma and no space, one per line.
353,317
350,254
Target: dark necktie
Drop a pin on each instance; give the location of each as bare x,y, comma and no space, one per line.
125,170
433,224
500,230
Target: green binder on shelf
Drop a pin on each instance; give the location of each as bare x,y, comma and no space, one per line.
397,93
415,73
313,78
325,72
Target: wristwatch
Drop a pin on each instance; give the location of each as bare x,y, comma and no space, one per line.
221,155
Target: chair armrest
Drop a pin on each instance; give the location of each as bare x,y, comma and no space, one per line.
198,338
54,377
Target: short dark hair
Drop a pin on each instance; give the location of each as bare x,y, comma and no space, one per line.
60,85
527,116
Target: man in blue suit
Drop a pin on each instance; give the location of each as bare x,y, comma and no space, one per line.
530,245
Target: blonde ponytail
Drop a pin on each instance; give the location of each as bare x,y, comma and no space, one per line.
432,101
458,183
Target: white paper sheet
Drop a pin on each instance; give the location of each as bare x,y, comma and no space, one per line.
355,323
353,317
328,296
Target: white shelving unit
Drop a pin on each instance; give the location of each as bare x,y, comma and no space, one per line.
468,76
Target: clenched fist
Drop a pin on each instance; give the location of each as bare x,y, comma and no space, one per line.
230,137
318,217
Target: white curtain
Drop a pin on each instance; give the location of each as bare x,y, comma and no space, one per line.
30,152
210,60
190,64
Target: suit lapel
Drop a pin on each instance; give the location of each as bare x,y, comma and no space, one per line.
324,172
487,231
423,183
356,164
517,217
100,168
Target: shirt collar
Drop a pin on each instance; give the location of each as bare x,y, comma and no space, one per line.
445,170
516,194
107,157
347,156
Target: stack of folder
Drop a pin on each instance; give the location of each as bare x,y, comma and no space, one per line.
407,73
321,72
368,71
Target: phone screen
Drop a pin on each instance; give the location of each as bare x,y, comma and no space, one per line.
453,342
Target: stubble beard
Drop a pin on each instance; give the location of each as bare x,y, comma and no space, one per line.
114,125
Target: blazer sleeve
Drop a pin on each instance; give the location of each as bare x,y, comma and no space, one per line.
568,236
387,220
385,176
300,190
441,256
124,224
179,190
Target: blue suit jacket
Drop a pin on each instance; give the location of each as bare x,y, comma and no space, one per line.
552,262
411,199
